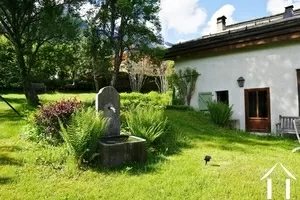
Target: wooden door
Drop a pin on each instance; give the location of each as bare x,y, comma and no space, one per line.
257,110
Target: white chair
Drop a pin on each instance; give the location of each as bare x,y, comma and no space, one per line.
296,123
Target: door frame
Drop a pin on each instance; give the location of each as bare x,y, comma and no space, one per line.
246,101
298,87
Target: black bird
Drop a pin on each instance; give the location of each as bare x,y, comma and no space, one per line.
207,159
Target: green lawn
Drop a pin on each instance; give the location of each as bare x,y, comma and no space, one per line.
37,171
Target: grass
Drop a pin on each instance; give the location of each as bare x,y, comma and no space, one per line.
175,171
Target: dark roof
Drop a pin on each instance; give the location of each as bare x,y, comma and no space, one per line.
236,35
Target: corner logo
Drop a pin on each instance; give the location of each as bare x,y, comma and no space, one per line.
287,182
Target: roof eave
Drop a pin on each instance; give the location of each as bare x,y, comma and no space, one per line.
193,46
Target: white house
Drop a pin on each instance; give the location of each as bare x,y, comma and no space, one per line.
265,52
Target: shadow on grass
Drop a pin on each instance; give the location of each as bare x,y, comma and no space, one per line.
198,127
9,116
5,180
188,127
12,148
21,103
169,144
6,160
16,100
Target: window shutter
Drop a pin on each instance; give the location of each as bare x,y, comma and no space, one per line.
204,97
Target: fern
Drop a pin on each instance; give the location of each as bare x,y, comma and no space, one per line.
82,134
146,122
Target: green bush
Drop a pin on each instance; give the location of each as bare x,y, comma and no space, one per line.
82,134
178,107
176,101
153,99
220,113
146,122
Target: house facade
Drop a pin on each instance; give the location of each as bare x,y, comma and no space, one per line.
264,52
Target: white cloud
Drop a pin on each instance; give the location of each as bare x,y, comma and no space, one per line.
59,1
226,10
181,41
87,11
183,16
150,26
277,6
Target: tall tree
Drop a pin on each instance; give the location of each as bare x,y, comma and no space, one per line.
162,72
138,67
28,25
161,68
97,50
127,25
56,60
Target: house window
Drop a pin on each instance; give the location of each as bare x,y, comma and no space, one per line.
258,104
222,96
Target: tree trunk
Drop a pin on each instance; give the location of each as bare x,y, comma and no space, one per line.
96,82
117,63
119,50
114,79
73,77
164,84
136,81
158,84
173,95
31,96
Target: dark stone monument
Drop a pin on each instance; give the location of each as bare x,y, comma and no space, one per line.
116,149
108,100
134,150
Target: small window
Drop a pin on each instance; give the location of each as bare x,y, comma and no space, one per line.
222,96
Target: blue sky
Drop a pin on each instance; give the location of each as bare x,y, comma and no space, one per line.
189,19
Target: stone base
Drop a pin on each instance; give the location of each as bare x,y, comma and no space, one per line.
134,150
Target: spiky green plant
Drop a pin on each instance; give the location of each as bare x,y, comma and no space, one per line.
82,134
220,113
146,122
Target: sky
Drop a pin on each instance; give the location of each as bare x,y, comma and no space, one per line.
184,20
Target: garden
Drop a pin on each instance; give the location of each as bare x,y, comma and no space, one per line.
35,168
56,61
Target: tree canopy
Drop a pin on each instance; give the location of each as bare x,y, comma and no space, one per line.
128,25
28,25
48,38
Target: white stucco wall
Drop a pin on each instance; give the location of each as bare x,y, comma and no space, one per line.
272,67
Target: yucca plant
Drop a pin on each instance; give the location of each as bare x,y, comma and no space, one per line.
146,122
82,134
220,113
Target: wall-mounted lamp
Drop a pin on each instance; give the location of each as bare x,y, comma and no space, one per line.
241,81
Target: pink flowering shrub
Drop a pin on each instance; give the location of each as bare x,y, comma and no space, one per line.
46,119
